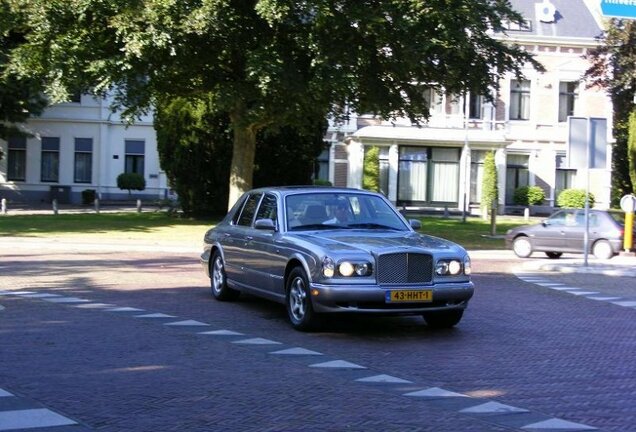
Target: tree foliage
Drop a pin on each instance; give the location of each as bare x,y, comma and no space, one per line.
20,96
489,189
195,150
614,69
270,62
371,169
131,181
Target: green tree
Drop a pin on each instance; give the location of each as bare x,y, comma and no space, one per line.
371,170
614,69
574,198
489,189
271,62
20,97
195,150
130,182
631,149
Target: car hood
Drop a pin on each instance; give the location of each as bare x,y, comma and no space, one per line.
376,242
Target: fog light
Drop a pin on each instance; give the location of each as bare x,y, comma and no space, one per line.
441,268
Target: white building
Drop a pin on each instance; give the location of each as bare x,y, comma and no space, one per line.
440,164
77,146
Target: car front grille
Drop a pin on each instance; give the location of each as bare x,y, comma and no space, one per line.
405,268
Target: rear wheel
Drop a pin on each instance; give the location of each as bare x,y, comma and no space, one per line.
602,249
298,302
554,255
522,247
443,319
218,281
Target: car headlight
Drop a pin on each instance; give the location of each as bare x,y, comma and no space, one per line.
347,268
328,267
451,267
467,267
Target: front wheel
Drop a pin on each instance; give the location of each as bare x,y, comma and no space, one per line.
218,281
522,247
298,302
443,319
602,249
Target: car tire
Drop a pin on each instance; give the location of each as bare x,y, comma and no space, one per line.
298,301
218,280
554,255
443,319
522,247
602,249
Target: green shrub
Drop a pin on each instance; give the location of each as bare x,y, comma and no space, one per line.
489,190
528,195
321,182
371,175
131,181
88,196
574,198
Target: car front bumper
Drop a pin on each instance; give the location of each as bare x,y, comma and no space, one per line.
371,298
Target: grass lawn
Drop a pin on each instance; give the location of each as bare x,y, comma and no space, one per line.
154,227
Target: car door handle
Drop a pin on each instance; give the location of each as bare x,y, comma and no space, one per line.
227,235
249,238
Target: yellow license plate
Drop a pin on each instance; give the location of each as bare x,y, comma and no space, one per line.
408,296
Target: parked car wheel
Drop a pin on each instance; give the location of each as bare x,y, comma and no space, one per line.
443,319
299,307
522,247
554,255
602,249
218,281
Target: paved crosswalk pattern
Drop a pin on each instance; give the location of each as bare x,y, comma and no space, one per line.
541,281
487,411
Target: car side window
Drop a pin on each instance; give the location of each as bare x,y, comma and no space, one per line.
247,214
268,208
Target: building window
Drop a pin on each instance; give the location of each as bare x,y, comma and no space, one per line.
16,159
433,101
567,99
519,100
476,174
83,166
517,175
412,174
428,175
565,178
321,170
476,107
50,160
135,150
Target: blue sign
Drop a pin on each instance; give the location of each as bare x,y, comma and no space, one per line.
619,8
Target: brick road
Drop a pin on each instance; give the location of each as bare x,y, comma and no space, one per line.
556,355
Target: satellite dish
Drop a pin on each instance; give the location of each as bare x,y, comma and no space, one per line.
545,11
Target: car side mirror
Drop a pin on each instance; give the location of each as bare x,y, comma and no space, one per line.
415,224
545,223
265,224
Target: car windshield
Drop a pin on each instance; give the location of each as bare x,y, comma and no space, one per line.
327,210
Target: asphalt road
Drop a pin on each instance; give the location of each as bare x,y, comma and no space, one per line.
527,355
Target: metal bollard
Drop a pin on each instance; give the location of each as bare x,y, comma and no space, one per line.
4,206
526,214
96,202
138,206
54,206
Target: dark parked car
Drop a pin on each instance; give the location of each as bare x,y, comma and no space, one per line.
322,250
564,232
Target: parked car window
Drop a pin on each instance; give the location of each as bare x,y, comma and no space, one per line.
247,214
559,218
267,210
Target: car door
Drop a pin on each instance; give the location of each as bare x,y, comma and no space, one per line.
235,242
574,232
265,264
549,236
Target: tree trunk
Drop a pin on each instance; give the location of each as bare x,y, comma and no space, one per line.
242,168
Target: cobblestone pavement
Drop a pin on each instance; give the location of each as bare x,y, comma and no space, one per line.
118,341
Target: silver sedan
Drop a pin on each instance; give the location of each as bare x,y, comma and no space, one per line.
323,250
